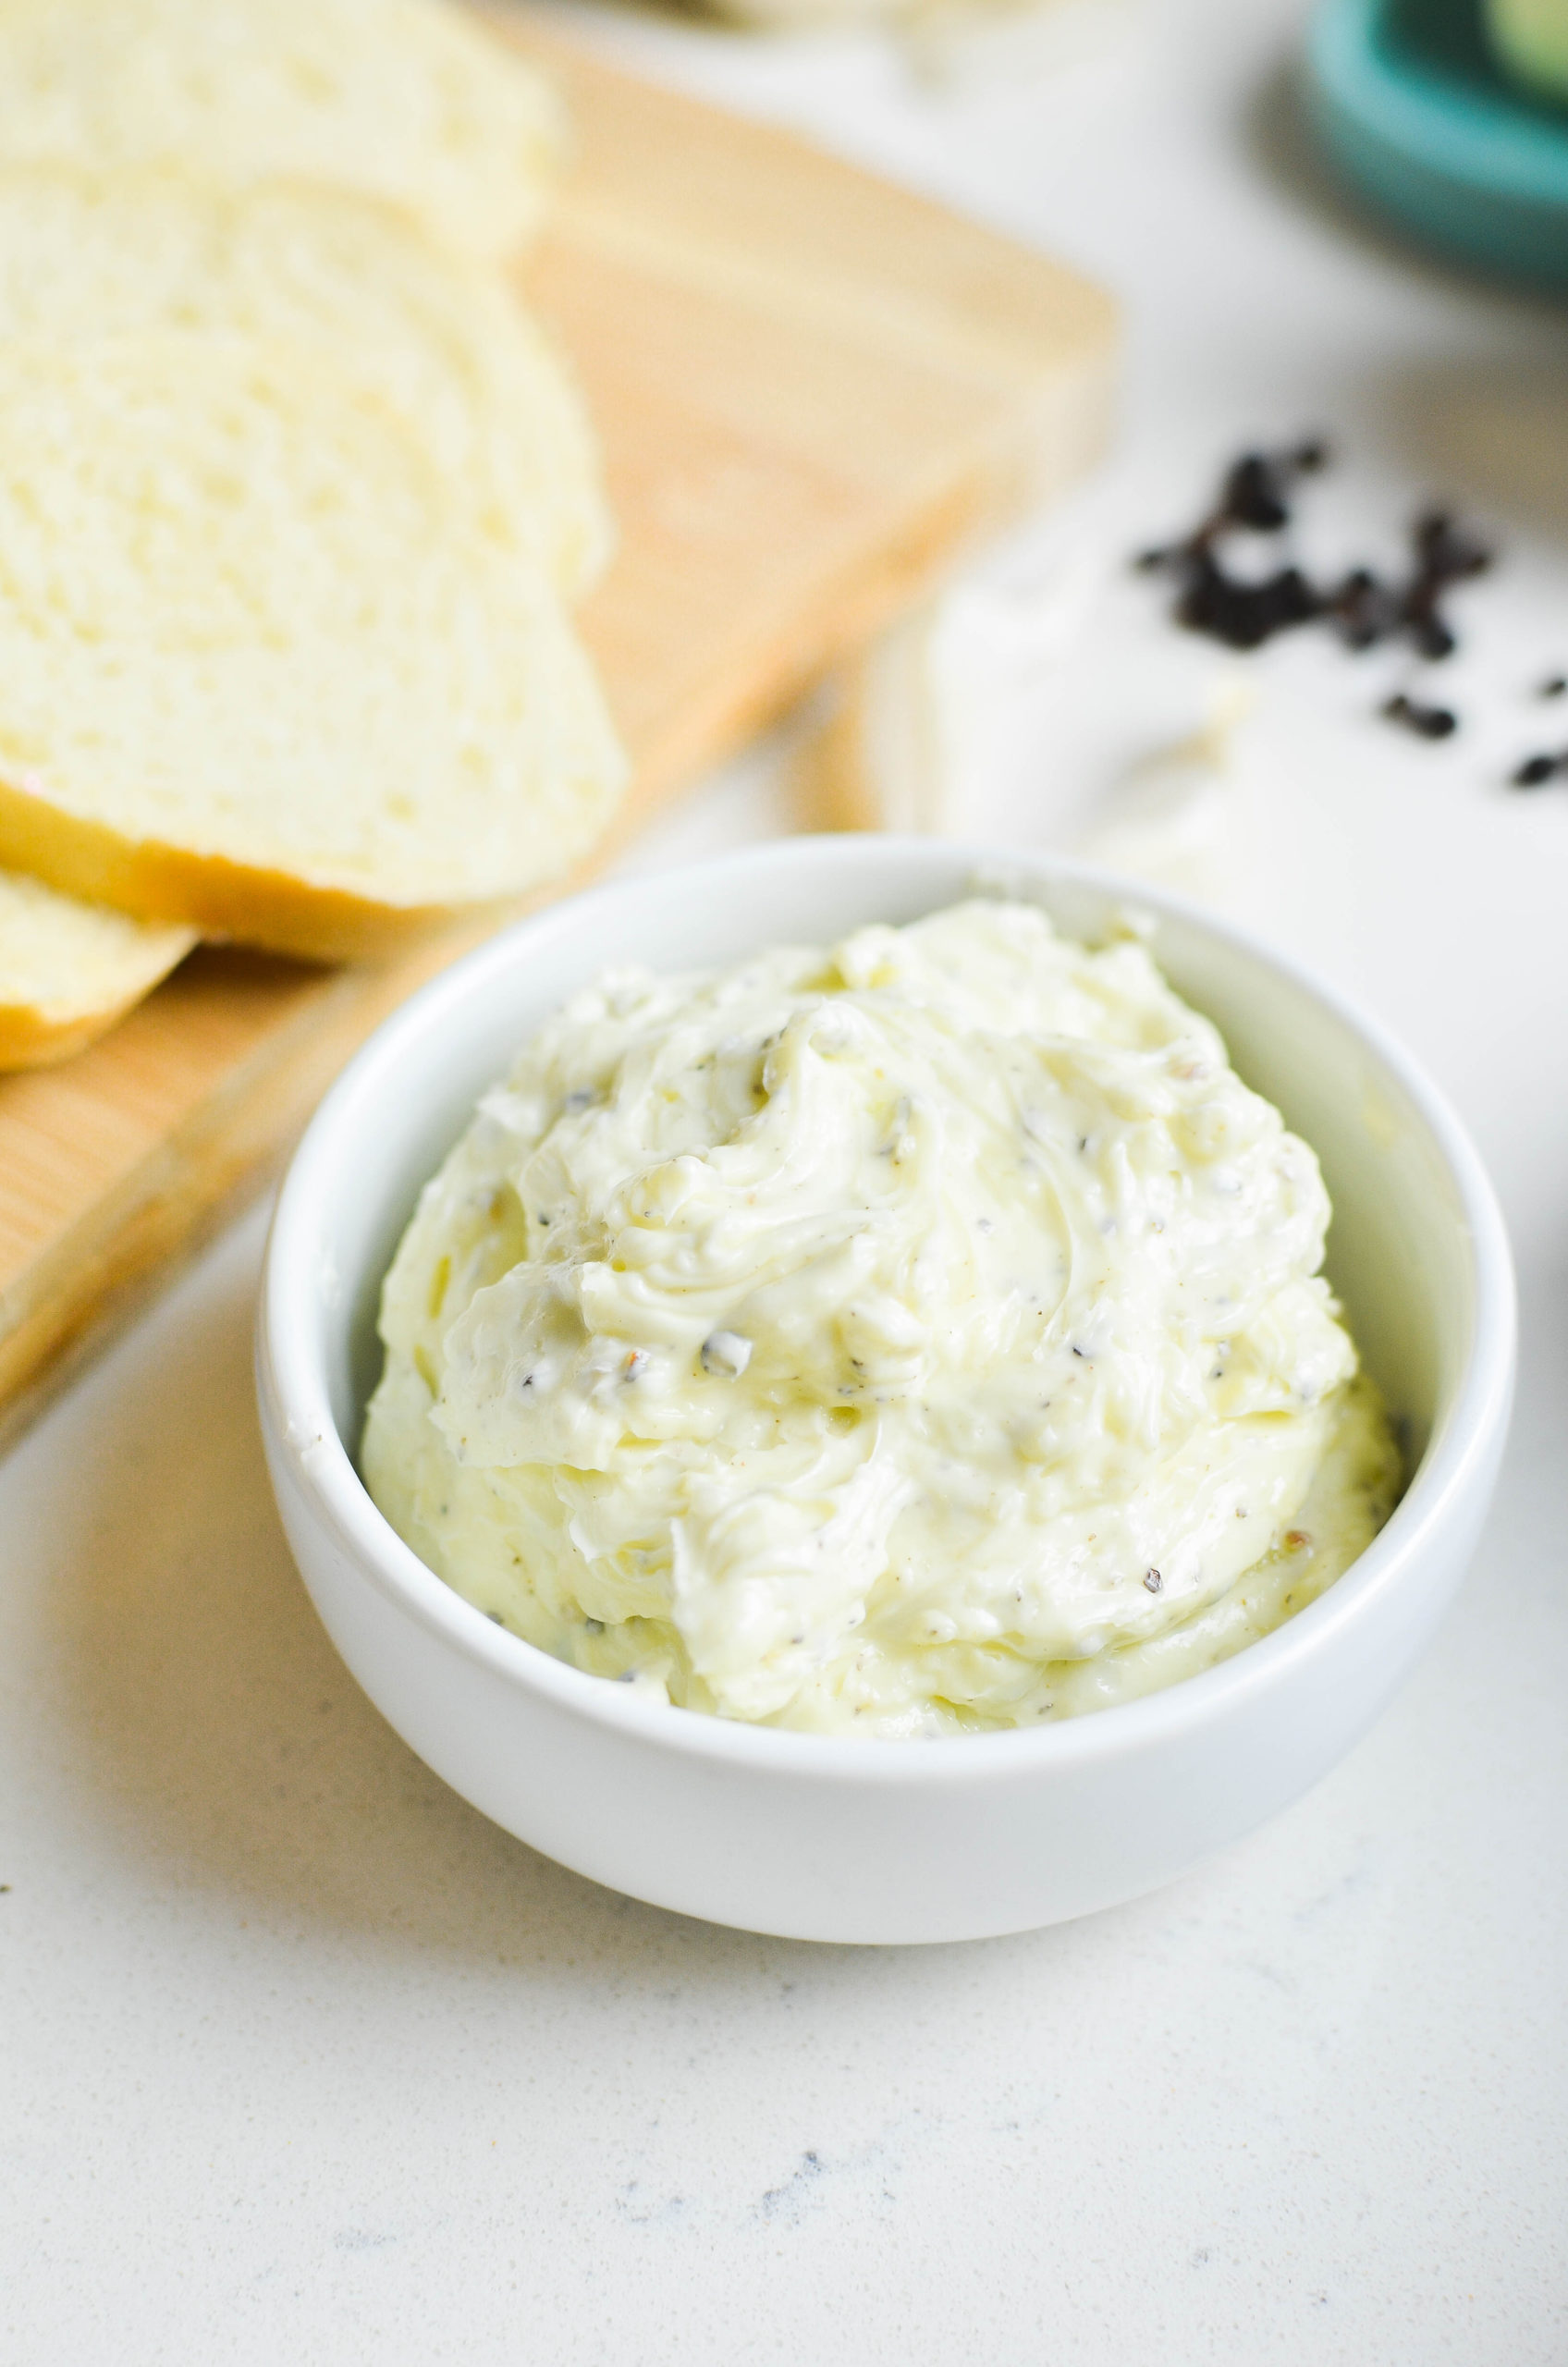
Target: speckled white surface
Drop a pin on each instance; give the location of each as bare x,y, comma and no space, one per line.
305,2062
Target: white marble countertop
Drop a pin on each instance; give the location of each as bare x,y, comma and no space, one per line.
306,2062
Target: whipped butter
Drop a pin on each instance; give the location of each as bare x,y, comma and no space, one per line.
912,1337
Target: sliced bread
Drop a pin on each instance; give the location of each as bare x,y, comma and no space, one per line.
410,99
69,970
92,255
260,673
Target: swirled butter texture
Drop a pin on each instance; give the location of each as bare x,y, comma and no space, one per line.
915,1337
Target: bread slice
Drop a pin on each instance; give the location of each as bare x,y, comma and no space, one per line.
88,255
260,674
408,99
68,970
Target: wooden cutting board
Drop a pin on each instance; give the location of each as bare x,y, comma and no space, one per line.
812,389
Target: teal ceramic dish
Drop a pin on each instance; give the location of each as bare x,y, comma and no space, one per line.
1414,109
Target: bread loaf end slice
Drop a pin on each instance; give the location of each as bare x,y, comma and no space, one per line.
69,970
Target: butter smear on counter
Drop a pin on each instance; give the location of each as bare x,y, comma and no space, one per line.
917,1337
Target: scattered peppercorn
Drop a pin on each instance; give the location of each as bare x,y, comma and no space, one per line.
1535,771
1255,496
1427,722
1363,608
1243,616
1257,487
1444,554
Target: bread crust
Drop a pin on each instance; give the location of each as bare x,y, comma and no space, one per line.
31,1038
247,902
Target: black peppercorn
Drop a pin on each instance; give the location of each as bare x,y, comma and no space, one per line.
1427,722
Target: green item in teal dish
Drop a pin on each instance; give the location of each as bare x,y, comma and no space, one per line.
1530,38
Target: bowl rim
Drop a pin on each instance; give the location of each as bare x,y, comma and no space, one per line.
1492,137
294,1317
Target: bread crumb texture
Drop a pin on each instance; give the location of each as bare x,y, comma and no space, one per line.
88,255
408,99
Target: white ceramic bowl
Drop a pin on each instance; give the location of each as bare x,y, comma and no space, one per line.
816,1837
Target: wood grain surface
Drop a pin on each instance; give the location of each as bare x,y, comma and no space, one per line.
812,389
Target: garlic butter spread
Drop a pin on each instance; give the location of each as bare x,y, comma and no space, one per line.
919,1336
